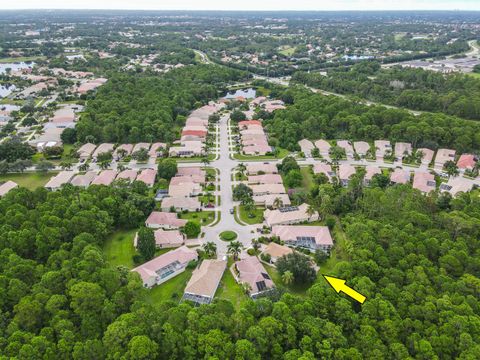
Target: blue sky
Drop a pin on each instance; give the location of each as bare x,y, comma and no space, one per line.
245,4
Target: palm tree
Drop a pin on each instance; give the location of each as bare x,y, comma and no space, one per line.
84,167
287,277
451,168
249,206
209,195
66,165
310,211
210,248
234,249
241,169
255,244
104,164
277,203
246,287
205,161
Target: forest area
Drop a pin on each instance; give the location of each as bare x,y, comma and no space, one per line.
315,116
415,257
136,107
417,89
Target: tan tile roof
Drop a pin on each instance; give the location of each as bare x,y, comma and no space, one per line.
206,277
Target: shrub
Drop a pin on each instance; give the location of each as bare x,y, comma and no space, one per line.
251,252
266,257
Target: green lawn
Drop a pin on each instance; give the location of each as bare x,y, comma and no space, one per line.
21,59
199,216
287,50
474,74
230,290
307,181
119,249
281,154
228,235
169,290
29,180
257,219
277,279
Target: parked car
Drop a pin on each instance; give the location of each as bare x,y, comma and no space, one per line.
231,211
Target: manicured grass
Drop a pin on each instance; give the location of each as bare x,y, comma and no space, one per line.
293,288
169,290
119,249
339,252
199,216
257,219
474,74
21,59
230,290
31,180
281,154
287,50
193,159
228,235
307,181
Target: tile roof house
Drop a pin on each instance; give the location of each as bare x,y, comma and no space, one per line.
246,123
382,148
456,185
166,266
311,237
203,284
129,175
187,148
443,155
424,181
402,149
345,172
289,215
466,162
265,168
427,155
147,176
102,149
306,146
190,170
258,149
276,251
323,146
265,189
58,180
265,179
84,180
361,147
140,146
157,149
184,189
6,187
127,148
86,150
181,203
270,200
198,179
164,220
106,177
252,272
165,239
370,172
345,144
321,168
400,176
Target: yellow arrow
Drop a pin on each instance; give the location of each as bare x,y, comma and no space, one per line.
339,285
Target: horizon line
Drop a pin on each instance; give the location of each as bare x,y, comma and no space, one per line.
242,10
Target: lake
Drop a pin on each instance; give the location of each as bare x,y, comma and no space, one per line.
15,66
249,93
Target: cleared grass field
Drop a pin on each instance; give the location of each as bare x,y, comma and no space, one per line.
119,249
30,181
170,290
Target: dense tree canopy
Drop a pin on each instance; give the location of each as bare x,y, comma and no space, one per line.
315,116
134,108
454,94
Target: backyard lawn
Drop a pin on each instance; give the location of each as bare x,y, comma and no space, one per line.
281,154
257,219
119,249
230,290
169,290
29,180
199,217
